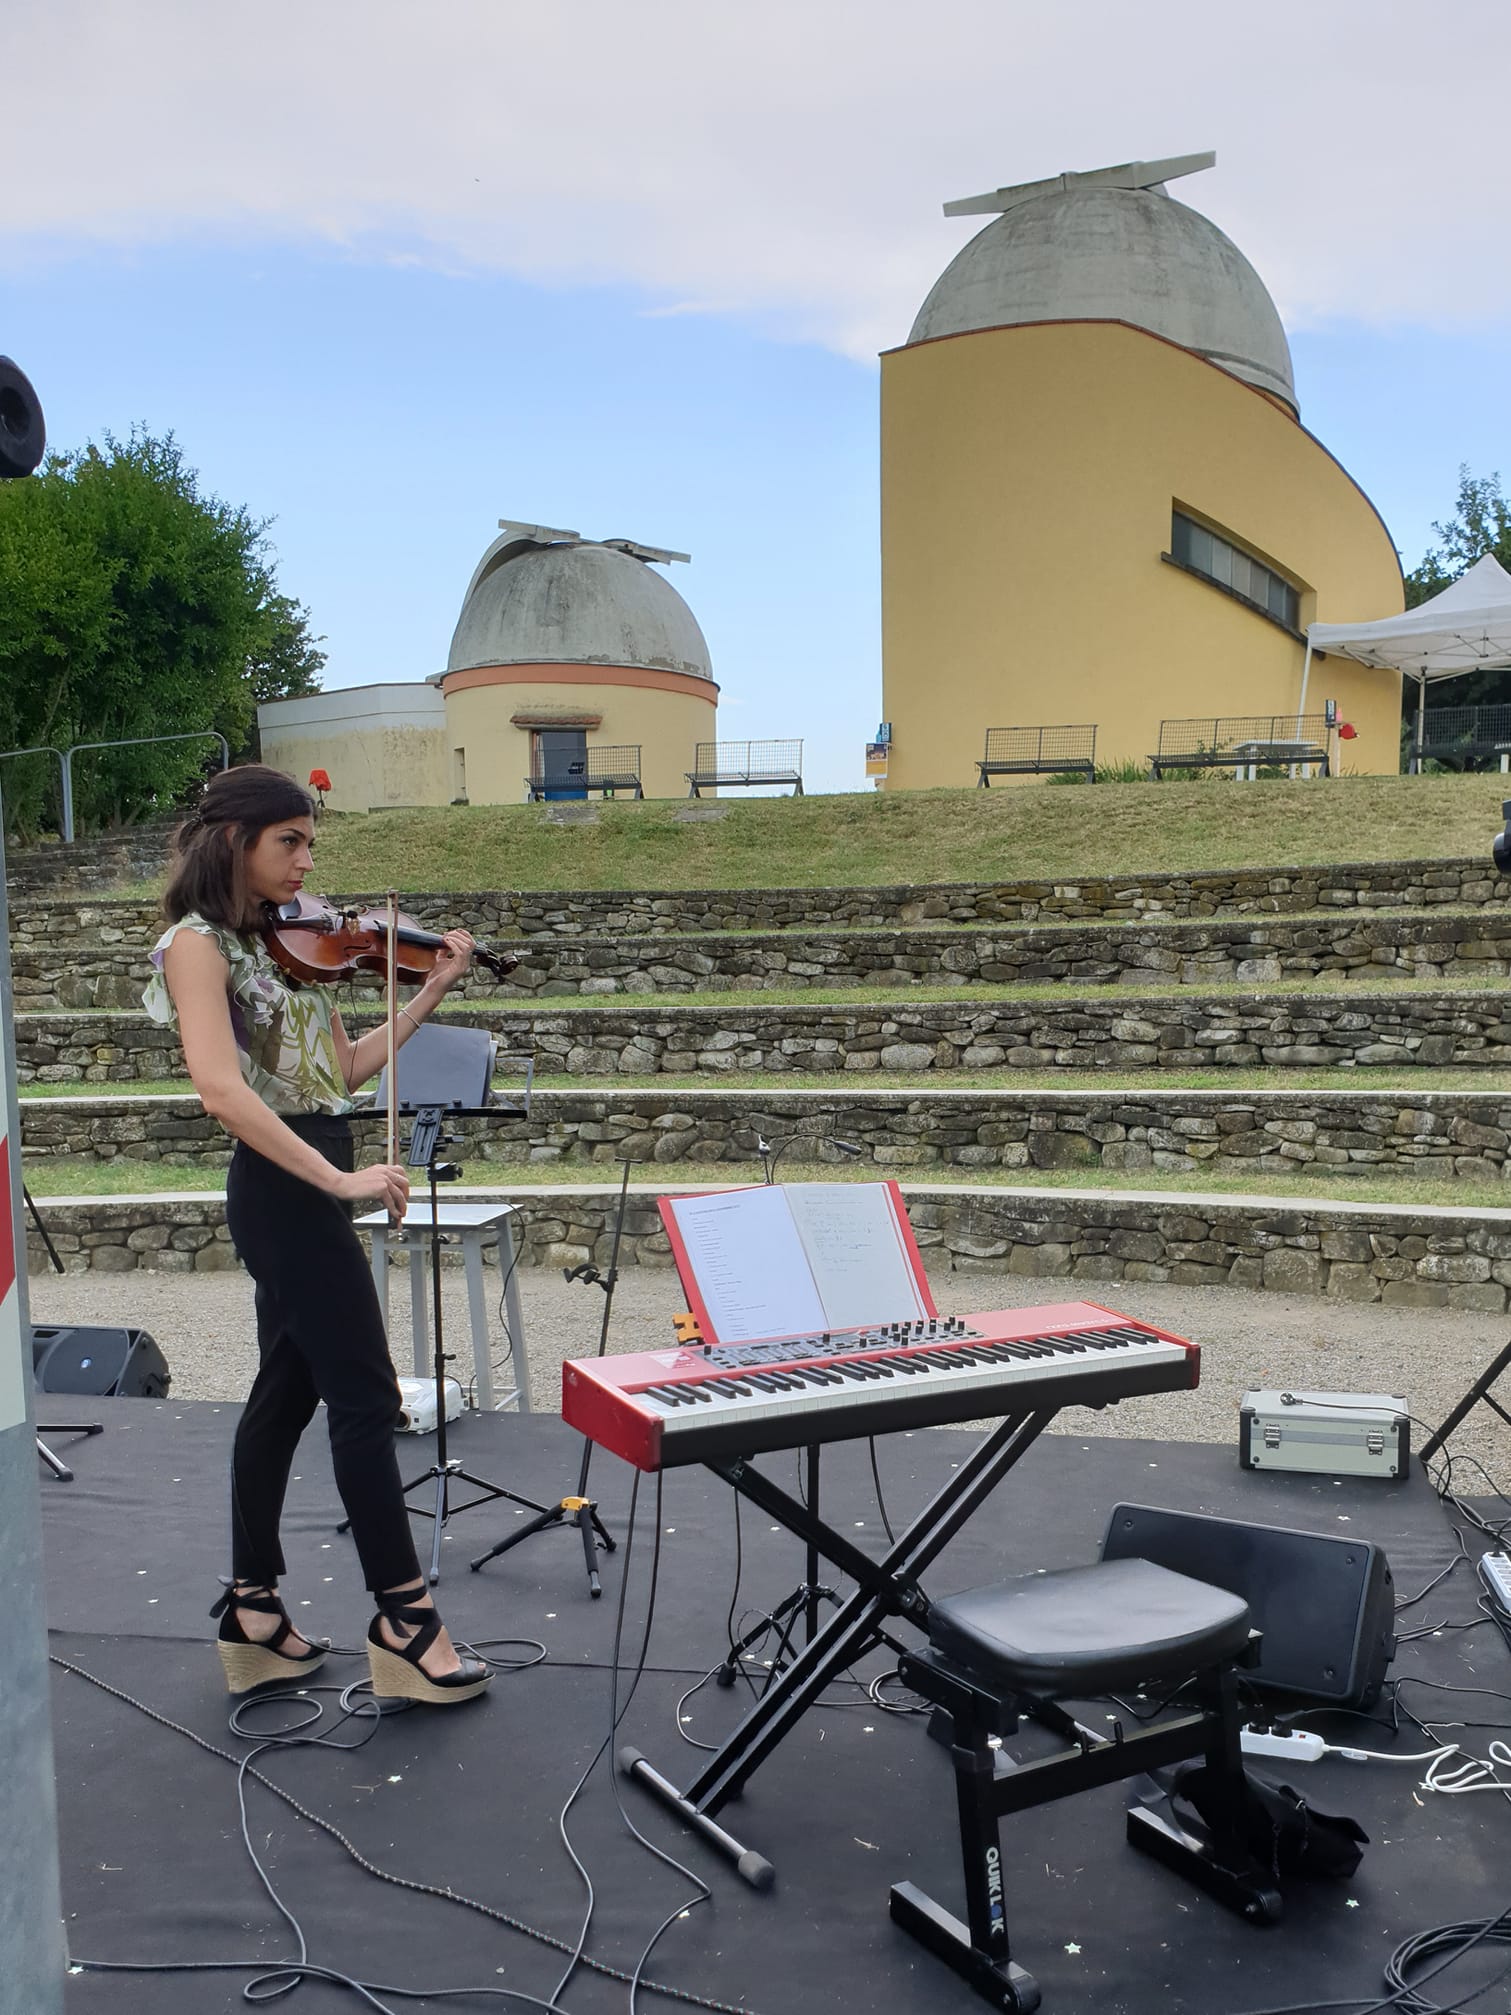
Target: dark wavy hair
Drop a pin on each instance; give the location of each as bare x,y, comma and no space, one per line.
207,872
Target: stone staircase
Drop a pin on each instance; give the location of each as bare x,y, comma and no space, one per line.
1333,971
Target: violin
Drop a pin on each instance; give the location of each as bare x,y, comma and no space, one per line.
318,944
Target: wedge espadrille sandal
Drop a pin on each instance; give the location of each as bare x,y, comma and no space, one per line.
250,1663
398,1675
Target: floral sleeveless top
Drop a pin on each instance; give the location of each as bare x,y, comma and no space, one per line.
283,1034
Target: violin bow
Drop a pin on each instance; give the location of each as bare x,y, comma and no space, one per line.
393,1034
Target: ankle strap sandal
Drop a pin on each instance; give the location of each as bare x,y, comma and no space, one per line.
252,1662
397,1673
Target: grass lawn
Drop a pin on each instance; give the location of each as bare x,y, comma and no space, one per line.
840,1085
359,1010
788,993
880,838
70,1177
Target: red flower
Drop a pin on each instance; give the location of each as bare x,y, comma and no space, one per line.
1347,732
319,781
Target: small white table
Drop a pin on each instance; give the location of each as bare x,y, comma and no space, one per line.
476,1225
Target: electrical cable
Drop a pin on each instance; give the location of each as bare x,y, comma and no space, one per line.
881,1502
261,1968
1459,1938
702,1892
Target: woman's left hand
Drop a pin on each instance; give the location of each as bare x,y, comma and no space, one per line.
452,962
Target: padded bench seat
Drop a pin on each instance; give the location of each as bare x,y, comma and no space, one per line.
1083,1630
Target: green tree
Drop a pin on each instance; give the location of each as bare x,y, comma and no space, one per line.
1480,524
135,603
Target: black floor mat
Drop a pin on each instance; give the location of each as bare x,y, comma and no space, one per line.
154,1866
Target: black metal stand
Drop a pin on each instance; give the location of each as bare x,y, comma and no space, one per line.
579,1509
885,1588
425,1142
1478,1393
54,1462
803,1601
811,1591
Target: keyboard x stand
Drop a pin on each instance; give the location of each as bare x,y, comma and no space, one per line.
884,1589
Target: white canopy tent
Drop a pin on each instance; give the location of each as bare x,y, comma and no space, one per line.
1466,628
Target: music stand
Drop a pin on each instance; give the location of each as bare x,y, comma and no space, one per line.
578,1509
1478,1393
446,1074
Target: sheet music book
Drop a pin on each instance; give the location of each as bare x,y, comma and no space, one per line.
788,1259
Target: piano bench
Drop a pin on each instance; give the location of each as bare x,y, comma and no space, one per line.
1088,1630
1011,1652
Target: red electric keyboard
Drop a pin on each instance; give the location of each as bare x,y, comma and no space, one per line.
660,1408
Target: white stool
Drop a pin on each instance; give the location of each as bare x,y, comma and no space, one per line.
476,1224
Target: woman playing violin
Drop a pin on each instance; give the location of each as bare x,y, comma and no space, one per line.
274,1065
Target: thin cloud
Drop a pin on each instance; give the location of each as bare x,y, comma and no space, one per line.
785,163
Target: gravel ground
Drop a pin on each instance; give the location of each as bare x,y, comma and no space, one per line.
204,1324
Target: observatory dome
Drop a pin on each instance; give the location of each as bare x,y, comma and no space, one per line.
1082,253
572,601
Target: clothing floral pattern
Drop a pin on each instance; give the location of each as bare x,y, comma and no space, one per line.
284,1037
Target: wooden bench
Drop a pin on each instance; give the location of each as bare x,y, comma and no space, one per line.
1243,743
1038,752
605,770
730,766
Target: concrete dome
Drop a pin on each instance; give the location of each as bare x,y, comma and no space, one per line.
1092,253
574,603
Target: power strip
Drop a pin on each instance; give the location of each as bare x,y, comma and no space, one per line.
1297,1747
1495,1572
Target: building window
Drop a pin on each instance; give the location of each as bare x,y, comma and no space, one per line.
1217,559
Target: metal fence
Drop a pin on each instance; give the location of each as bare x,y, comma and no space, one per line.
1027,752
1244,743
732,765
1461,736
607,770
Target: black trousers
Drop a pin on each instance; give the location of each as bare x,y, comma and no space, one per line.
320,1336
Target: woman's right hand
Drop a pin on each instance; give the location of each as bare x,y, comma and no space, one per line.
384,1183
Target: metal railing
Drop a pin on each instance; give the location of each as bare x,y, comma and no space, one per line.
607,770
1028,752
1461,735
734,765
1243,743
65,759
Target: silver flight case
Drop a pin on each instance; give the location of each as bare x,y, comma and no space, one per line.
1325,1433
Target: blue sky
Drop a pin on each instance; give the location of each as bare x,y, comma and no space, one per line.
386,415
390,277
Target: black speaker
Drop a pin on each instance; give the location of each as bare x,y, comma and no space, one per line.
1326,1606
23,435
114,1363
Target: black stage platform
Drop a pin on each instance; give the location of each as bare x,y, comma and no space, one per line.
154,1866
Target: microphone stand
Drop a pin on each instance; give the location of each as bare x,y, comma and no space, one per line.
579,1509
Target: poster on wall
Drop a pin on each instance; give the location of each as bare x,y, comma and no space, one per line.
12,1376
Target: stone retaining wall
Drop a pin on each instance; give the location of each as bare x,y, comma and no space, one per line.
1125,1033
106,860
1447,946
1416,1258
510,913
1442,1134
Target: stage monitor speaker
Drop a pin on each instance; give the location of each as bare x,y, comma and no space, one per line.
1326,1605
99,1362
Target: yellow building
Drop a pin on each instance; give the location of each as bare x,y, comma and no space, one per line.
1098,502
574,666
567,653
